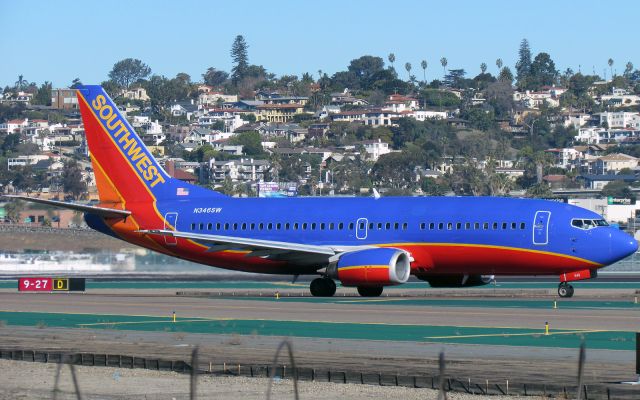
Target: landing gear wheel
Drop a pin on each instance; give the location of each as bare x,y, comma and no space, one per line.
322,287
370,291
565,290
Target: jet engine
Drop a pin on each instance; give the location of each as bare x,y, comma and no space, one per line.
456,281
372,267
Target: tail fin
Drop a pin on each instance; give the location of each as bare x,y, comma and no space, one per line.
125,170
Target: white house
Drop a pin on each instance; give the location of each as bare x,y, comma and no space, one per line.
620,119
376,148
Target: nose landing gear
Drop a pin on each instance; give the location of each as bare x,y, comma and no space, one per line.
565,290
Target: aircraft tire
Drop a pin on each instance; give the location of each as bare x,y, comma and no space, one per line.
565,290
322,287
370,291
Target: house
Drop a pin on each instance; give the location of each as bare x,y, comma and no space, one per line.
612,163
138,93
619,120
64,99
184,109
598,182
276,112
199,136
399,103
424,115
14,126
555,181
346,98
276,98
239,170
375,148
566,158
575,120
178,173
620,98
536,99
215,98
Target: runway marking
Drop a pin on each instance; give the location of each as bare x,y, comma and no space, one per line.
369,301
515,334
168,321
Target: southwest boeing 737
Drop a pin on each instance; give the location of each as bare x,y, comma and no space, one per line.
367,243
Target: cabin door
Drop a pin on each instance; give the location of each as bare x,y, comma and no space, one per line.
361,228
170,221
541,228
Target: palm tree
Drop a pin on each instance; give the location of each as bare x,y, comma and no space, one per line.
407,66
392,59
499,63
610,62
483,67
423,64
21,83
444,62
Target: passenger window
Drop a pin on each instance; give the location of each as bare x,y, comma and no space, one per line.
396,226
522,225
193,227
495,225
253,225
261,226
388,225
449,226
226,226
467,225
313,226
351,226
287,226
504,225
441,225
244,226
278,226
476,225
405,226
322,226
218,226
304,226
341,226
201,226
295,226
331,226
269,226
379,226
209,226
513,225
370,225
432,225
422,226
486,225
458,225
235,226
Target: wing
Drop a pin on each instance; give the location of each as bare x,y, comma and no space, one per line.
101,211
298,252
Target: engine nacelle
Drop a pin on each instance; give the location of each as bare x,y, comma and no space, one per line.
372,267
456,281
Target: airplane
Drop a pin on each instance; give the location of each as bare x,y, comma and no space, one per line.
367,243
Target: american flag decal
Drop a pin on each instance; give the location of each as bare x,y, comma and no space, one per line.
182,192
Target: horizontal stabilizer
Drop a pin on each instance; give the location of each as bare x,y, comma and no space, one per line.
100,211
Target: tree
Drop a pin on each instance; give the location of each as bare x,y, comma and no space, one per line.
128,71
483,68
407,66
499,64
543,72
43,95
444,62
423,64
392,59
523,66
13,209
214,77
240,57
364,70
72,181
250,141
610,62
21,83
618,189
627,69
506,76
76,83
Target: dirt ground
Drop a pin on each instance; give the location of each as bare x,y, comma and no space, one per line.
26,380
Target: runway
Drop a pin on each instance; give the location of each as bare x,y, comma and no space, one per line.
484,337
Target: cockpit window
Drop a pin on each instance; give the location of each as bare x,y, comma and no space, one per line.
588,223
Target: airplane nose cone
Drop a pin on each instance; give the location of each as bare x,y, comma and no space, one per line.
623,245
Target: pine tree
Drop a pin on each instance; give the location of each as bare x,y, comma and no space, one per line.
240,58
523,66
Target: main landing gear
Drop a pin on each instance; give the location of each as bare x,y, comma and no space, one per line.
565,290
323,287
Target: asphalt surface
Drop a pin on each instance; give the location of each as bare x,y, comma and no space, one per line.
483,337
